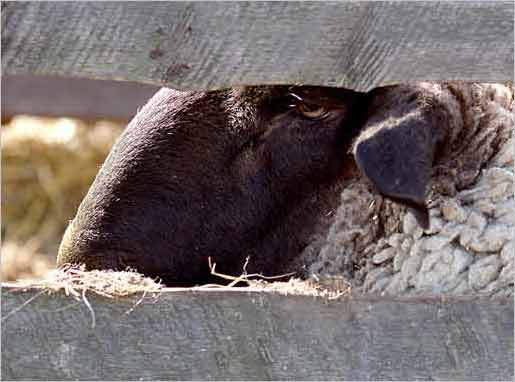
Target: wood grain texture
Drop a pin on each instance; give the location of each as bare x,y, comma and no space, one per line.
208,45
73,97
242,335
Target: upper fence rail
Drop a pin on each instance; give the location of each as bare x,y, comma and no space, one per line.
210,45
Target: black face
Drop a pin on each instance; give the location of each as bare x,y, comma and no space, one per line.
226,174
246,172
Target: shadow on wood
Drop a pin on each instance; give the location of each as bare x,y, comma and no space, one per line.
73,97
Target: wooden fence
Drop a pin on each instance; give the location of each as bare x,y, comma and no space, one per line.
255,336
206,45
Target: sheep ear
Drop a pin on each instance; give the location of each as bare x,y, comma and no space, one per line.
396,156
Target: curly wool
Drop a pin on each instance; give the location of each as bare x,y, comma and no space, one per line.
469,247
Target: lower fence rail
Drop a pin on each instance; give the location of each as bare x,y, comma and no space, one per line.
254,335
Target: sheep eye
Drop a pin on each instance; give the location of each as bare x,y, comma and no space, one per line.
308,110
312,111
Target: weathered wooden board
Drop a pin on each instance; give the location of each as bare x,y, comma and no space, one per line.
247,336
73,97
207,45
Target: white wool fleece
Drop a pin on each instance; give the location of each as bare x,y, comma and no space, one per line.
377,244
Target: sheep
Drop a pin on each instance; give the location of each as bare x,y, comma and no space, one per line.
228,174
285,176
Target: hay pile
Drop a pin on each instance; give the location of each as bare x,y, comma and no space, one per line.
24,260
47,167
76,282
